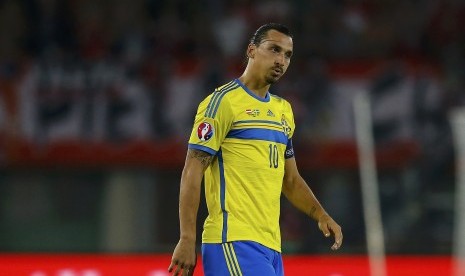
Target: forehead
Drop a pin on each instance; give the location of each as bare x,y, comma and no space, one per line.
280,39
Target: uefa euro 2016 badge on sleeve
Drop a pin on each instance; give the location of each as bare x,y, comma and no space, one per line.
205,131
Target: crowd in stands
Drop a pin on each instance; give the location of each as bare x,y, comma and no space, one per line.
161,57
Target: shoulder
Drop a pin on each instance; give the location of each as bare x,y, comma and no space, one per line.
227,89
281,101
278,99
219,99
224,92
224,89
219,91
227,86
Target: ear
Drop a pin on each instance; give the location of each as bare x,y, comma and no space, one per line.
251,50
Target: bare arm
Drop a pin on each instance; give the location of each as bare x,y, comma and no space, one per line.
184,256
189,195
301,196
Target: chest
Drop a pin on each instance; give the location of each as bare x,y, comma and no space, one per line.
270,115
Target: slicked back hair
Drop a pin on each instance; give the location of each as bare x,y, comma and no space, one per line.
262,31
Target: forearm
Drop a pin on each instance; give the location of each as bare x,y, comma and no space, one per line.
302,197
189,198
184,256
189,195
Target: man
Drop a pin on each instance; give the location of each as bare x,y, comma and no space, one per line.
242,143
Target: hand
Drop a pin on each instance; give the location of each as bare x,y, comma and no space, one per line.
329,227
184,259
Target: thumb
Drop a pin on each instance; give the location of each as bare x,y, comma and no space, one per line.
324,228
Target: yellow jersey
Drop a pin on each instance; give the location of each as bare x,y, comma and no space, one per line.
250,138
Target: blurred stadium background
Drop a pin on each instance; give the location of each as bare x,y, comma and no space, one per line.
97,99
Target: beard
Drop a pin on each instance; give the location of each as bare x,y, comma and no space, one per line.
272,78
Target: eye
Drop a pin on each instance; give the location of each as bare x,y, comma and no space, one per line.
275,49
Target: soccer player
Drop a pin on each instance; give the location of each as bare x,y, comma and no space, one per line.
241,143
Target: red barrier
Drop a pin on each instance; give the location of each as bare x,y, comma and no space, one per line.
156,265
171,154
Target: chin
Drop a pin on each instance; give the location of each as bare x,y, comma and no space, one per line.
271,80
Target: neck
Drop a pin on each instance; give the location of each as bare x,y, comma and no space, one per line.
254,84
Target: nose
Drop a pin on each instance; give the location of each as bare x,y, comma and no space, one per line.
279,60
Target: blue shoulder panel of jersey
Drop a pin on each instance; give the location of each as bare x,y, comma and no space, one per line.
202,148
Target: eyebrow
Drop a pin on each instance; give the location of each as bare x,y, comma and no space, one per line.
273,44
269,40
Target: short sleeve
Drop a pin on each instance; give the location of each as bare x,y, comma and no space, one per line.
291,121
212,122
290,128
289,153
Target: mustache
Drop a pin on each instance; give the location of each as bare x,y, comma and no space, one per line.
279,68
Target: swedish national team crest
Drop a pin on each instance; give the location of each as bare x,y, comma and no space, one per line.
286,128
205,131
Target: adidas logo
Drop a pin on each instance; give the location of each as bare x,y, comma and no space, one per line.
270,113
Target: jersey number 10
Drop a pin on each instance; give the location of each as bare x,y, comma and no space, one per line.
273,156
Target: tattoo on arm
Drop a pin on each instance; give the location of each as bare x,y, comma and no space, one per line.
204,157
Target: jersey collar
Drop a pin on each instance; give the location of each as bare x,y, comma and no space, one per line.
267,96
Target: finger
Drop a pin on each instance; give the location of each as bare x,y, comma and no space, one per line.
324,229
335,246
177,271
337,239
191,271
188,271
170,268
338,234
